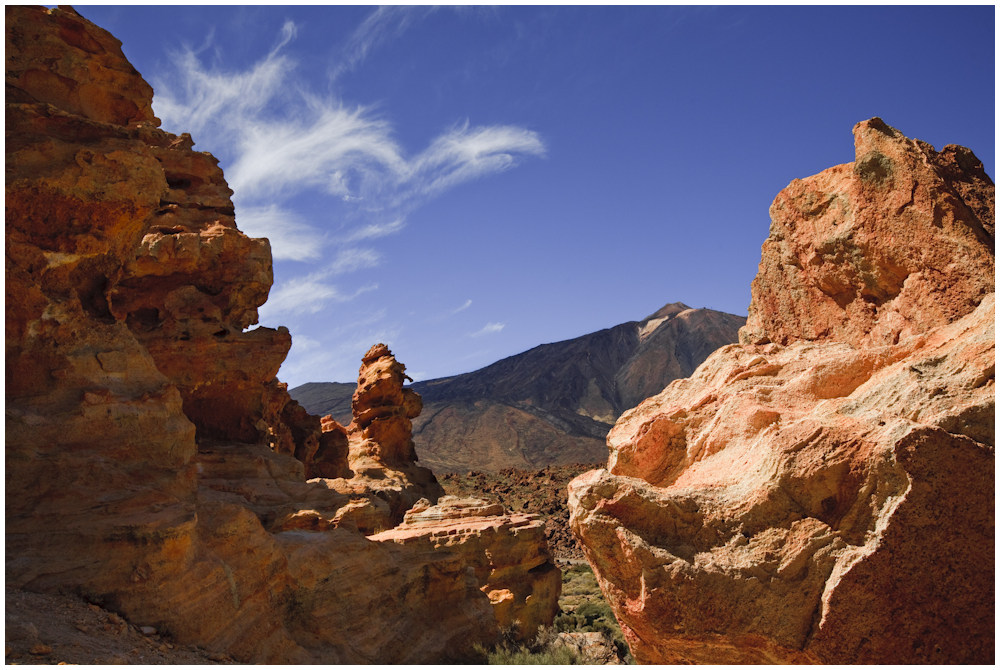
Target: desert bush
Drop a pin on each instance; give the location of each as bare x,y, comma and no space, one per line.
543,650
584,609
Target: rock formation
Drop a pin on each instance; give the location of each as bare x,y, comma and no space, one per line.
378,443
154,464
555,403
824,492
508,554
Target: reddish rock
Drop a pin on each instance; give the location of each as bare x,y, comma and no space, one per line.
829,499
88,414
153,462
892,245
382,408
65,62
378,443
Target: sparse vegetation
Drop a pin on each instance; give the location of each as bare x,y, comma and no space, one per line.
545,649
582,610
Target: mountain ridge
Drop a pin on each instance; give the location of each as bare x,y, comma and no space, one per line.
553,403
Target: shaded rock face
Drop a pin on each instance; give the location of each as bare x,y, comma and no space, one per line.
153,462
827,495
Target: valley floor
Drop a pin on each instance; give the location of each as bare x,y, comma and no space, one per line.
51,629
541,491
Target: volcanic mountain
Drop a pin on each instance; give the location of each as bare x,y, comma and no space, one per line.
552,404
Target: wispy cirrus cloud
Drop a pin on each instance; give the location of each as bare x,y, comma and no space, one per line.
324,179
309,294
279,141
292,238
488,329
375,230
385,23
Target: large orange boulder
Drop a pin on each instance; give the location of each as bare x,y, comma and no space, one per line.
824,491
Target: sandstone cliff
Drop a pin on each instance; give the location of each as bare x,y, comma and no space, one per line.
153,462
824,491
555,403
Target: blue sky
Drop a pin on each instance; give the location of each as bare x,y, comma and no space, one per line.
466,183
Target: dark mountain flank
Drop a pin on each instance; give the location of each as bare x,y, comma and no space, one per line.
322,398
552,404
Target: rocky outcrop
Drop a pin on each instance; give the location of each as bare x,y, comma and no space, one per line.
555,403
507,552
379,461
823,492
153,463
892,245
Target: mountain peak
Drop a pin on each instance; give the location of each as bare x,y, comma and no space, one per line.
668,310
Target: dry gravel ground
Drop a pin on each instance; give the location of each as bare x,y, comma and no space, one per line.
54,630
541,491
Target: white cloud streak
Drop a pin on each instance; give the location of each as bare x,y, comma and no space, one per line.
488,329
291,237
306,295
385,23
375,230
464,306
285,140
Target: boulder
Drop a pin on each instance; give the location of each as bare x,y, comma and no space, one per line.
824,491
507,552
894,244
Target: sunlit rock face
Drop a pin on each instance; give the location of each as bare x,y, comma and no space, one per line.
507,552
154,463
892,245
378,442
824,491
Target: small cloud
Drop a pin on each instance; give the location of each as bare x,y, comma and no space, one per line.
488,329
376,230
306,295
305,343
384,24
291,238
352,260
464,306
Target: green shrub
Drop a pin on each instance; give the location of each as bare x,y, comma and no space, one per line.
543,650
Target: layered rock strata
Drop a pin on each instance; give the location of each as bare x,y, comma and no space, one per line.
824,491
507,552
153,462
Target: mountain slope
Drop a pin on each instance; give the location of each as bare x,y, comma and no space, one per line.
552,404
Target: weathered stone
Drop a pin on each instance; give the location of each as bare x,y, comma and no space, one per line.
381,459
507,551
153,462
829,499
897,243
